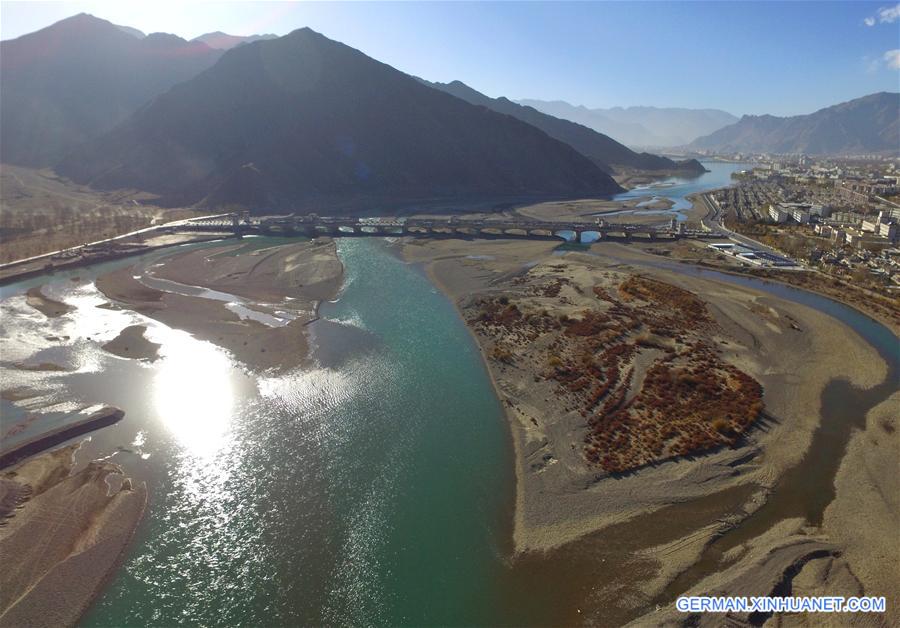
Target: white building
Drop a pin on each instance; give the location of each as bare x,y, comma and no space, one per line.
888,230
800,216
777,214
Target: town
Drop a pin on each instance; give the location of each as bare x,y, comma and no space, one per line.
839,216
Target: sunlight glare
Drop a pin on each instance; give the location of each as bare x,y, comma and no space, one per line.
193,393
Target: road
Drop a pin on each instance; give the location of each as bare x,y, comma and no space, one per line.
714,222
130,234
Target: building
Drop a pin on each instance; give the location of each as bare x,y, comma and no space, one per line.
801,213
823,230
851,218
777,214
870,225
865,190
800,216
888,230
882,222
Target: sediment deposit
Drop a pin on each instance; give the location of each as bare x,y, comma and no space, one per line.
62,537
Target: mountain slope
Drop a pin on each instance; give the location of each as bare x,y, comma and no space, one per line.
302,121
870,124
73,80
604,151
224,41
641,126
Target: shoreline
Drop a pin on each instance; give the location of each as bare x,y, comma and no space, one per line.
85,526
10,279
515,448
529,251
782,445
277,291
81,262
52,438
514,420
751,274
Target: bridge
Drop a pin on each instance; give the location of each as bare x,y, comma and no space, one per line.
312,225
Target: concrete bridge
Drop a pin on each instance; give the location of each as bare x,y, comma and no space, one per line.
313,225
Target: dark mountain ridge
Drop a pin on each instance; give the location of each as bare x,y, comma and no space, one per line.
607,153
870,124
302,121
71,81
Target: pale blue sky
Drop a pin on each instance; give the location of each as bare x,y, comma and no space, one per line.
758,57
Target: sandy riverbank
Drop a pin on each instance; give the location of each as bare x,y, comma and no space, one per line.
866,507
880,308
131,343
44,304
27,268
853,553
791,350
62,536
281,285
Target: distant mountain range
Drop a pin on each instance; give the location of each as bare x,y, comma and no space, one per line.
866,125
224,41
216,40
302,121
640,126
607,153
78,78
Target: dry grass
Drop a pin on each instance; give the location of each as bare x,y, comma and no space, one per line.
689,399
40,213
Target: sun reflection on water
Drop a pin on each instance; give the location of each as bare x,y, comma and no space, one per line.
193,392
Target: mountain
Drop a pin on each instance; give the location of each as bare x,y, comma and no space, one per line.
870,124
601,149
131,31
224,41
302,121
78,78
629,133
641,126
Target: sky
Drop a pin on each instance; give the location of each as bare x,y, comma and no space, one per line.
782,58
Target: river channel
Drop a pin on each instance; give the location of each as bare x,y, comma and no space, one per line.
376,488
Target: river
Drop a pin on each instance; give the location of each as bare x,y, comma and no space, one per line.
374,489
677,189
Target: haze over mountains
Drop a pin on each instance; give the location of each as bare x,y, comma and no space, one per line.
224,41
303,120
217,39
640,126
71,81
603,150
866,125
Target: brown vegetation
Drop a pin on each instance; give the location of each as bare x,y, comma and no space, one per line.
689,399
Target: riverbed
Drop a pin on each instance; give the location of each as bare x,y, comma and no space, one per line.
374,488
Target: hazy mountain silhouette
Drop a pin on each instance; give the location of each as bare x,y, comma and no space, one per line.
641,126
224,41
870,124
302,121
131,31
80,77
603,150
